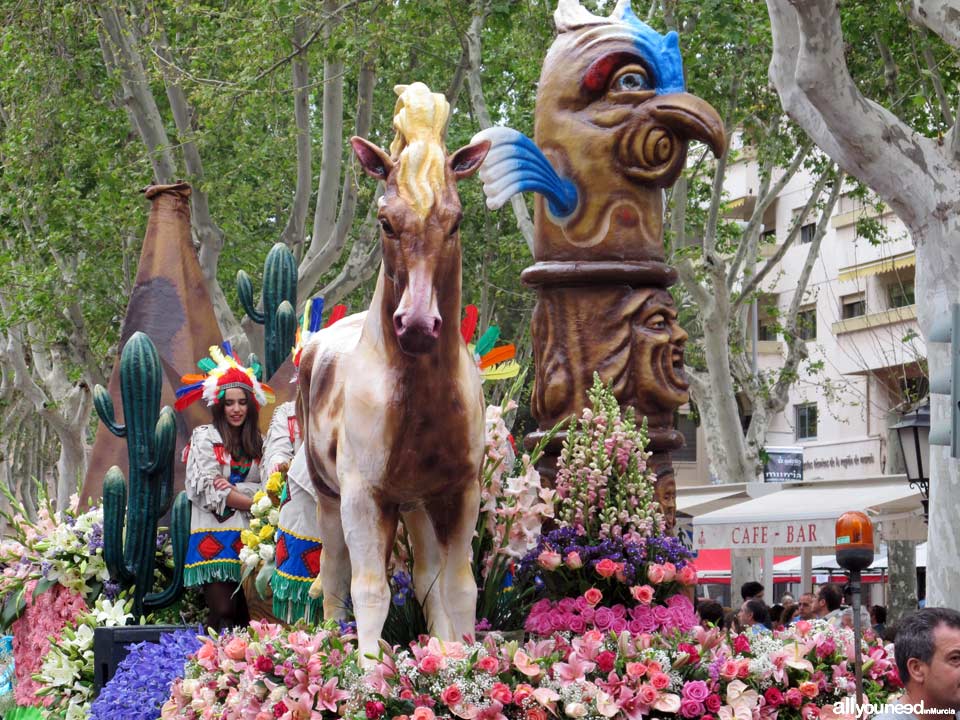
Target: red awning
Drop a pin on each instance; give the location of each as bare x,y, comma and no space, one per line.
714,565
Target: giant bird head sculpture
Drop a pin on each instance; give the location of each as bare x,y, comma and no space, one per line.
612,125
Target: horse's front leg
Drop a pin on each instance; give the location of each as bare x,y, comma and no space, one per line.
369,528
428,558
455,521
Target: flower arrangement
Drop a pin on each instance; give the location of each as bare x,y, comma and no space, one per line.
567,563
44,617
585,613
259,544
267,671
67,673
60,548
690,672
603,484
141,684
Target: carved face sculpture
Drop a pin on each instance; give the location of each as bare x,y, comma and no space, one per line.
665,493
613,117
659,382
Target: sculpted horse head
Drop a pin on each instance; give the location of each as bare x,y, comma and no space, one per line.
390,402
420,215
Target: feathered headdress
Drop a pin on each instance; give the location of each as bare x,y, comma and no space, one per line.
222,371
495,363
311,323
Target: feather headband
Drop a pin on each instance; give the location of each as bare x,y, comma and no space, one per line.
221,372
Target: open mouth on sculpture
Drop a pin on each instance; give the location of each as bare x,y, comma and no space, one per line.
674,373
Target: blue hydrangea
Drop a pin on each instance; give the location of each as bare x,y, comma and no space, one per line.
142,682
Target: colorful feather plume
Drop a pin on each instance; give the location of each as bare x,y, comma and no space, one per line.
494,363
312,323
222,371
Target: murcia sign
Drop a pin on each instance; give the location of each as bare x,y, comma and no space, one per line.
794,533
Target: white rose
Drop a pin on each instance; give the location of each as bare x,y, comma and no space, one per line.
274,517
266,552
575,709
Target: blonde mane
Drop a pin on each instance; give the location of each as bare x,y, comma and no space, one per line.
419,118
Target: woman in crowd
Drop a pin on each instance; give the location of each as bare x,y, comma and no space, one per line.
222,477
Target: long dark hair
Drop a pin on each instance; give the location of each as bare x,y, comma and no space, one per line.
247,443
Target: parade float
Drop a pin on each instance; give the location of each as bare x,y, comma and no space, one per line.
553,586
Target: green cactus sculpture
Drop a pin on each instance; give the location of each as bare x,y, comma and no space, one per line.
279,298
151,435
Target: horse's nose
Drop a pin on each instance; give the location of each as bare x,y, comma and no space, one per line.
429,325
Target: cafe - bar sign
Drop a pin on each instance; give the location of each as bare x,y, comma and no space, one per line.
784,534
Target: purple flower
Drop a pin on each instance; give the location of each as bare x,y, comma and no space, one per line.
142,682
111,589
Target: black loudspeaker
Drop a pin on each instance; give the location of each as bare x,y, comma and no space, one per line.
111,645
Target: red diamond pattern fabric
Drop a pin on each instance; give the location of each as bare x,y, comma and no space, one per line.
237,546
209,547
311,558
281,553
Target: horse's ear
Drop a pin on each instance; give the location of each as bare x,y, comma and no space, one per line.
468,159
374,161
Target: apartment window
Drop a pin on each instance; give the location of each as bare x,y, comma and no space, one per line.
853,306
766,331
806,421
768,237
688,453
807,232
901,294
807,324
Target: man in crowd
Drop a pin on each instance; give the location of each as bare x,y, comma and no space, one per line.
927,650
829,602
807,607
751,590
755,615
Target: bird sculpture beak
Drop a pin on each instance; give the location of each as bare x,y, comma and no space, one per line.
693,117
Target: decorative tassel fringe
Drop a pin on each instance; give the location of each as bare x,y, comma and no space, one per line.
211,572
292,601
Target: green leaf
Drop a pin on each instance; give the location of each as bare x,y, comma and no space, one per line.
42,586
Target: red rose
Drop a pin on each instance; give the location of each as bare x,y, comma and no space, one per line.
741,644
605,661
374,709
279,709
713,702
691,651
773,697
263,664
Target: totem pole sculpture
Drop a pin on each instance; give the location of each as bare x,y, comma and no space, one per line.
170,303
612,124
279,298
151,435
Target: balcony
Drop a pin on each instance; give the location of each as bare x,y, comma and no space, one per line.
877,267
875,320
850,218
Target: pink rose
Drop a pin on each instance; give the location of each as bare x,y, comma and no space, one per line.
810,712
488,664
647,694
429,664
536,713
207,656
500,692
728,671
593,596
603,619
687,575
656,574
809,689
577,624
697,691
522,692
661,681
794,698
669,572
423,713
549,559
691,708
606,568
773,697
741,644
642,594
803,627
636,669
573,560
236,649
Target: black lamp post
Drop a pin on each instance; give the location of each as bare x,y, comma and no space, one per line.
914,433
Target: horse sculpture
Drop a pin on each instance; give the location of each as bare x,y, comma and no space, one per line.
390,404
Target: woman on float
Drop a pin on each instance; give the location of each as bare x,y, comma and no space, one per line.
222,477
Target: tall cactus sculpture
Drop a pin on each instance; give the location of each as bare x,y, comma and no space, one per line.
151,434
279,298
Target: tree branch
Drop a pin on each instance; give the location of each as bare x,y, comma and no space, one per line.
940,16
294,234
810,73
363,259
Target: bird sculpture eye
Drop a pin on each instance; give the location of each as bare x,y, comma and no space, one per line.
632,82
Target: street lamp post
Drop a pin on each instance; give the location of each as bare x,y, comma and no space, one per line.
914,434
